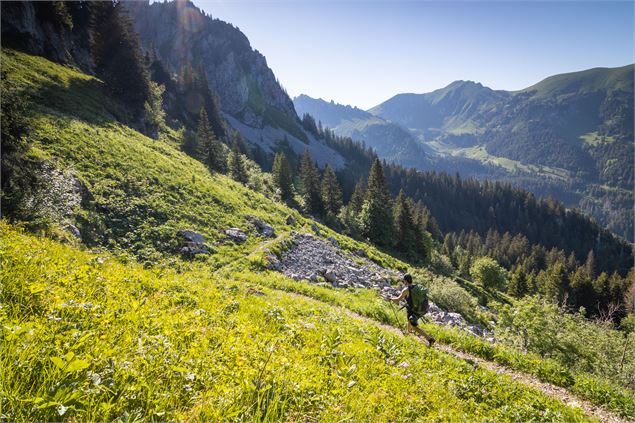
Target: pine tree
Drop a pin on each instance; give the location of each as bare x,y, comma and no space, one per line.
282,176
331,193
376,215
405,231
210,149
236,164
309,175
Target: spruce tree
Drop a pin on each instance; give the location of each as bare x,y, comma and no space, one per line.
236,164
406,238
331,193
282,176
376,220
210,149
309,175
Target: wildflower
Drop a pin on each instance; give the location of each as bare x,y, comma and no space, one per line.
61,410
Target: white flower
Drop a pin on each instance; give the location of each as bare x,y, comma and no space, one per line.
61,410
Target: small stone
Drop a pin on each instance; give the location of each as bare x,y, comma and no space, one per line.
315,229
333,241
291,220
72,229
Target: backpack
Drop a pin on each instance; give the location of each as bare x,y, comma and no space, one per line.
420,303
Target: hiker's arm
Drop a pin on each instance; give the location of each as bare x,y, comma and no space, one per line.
401,296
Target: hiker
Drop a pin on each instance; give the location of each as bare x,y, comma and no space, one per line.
416,306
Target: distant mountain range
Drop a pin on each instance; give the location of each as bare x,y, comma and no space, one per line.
570,136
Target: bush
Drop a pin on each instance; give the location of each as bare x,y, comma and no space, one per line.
488,273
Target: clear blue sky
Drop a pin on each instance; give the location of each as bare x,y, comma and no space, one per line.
364,52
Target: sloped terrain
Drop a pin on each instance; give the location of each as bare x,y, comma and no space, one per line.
96,336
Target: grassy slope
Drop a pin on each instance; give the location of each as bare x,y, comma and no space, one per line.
155,190
86,337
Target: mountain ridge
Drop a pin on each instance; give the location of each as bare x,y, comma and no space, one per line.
572,132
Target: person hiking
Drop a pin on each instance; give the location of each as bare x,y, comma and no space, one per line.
416,306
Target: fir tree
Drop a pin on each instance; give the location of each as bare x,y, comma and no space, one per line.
309,175
210,149
350,214
236,164
282,176
376,215
331,193
405,232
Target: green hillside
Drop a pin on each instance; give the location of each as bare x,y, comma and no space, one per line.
119,326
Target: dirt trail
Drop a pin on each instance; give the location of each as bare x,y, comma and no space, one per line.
557,392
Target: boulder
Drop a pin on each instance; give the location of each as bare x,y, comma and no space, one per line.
315,229
291,220
263,228
272,262
236,235
330,276
191,236
333,241
192,243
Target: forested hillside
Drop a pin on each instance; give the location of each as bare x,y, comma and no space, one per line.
569,136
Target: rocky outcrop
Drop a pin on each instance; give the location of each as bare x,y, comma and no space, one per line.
313,259
192,243
58,32
235,235
251,99
239,74
261,227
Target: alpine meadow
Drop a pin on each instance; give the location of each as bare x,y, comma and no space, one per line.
181,240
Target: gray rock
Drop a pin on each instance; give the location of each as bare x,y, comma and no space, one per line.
236,235
72,229
361,253
291,220
191,236
272,262
333,241
315,229
192,243
263,228
330,276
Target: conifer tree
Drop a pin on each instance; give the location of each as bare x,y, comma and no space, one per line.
117,55
210,149
376,221
282,176
236,164
357,198
405,231
309,175
331,193
350,214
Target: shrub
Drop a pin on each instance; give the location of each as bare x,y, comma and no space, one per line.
488,273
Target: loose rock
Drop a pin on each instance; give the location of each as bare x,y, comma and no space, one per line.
192,243
236,235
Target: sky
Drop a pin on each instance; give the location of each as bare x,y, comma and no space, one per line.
364,52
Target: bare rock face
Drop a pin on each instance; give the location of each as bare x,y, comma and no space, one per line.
34,27
236,72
